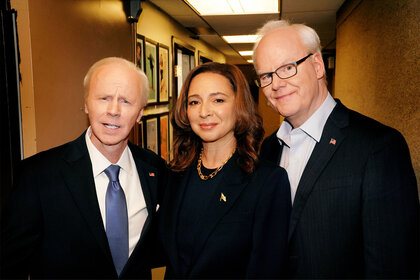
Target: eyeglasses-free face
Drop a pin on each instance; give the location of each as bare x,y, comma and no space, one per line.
283,72
114,105
211,109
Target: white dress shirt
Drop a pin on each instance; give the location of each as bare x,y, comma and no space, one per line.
130,183
298,143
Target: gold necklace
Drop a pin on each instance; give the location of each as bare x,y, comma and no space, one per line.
206,177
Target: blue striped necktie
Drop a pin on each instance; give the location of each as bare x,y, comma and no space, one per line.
116,219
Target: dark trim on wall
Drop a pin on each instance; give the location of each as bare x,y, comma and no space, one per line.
345,10
11,145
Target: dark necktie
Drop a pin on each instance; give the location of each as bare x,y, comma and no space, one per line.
116,219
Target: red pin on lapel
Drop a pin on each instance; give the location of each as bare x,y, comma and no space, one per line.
333,141
152,174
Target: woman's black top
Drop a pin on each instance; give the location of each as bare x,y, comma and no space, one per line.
195,202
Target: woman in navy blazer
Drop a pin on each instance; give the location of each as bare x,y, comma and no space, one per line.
225,213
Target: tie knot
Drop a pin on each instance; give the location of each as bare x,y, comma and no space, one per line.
112,172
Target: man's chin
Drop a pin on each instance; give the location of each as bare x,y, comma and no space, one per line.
112,141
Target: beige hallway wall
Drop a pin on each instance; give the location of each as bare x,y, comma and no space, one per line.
59,40
377,67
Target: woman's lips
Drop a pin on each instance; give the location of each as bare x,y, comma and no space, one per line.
207,125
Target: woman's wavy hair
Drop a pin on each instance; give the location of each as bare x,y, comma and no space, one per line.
248,127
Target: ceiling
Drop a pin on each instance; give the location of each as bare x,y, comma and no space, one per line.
319,14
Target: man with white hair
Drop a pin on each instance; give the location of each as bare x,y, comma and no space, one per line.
354,192
86,209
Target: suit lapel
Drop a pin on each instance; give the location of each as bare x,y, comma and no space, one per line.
231,186
271,149
176,189
76,169
331,139
149,183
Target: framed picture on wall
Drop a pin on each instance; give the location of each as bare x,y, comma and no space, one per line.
152,136
183,57
151,69
140,51
164,136
163,73
170,141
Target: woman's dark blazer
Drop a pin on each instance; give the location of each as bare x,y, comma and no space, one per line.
242,237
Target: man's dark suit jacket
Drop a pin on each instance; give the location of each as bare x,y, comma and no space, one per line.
53,226
242,237
355,213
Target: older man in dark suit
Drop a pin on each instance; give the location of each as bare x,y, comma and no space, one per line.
354,192
86,209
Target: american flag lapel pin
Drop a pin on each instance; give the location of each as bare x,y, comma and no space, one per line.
333,141
152,174
222,197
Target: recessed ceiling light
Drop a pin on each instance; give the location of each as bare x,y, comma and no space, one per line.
245,53
240,39
234,7
250,61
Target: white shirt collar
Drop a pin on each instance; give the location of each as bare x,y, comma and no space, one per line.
313,126
100,162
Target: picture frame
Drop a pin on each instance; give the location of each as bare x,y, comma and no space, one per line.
140,134
164,136
151,137
163,73
140,51
183,60
151,69
202,58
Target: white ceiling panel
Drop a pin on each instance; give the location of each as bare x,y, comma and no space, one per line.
319,14
238,24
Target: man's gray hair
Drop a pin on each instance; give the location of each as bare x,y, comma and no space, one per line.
144,89
308,35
